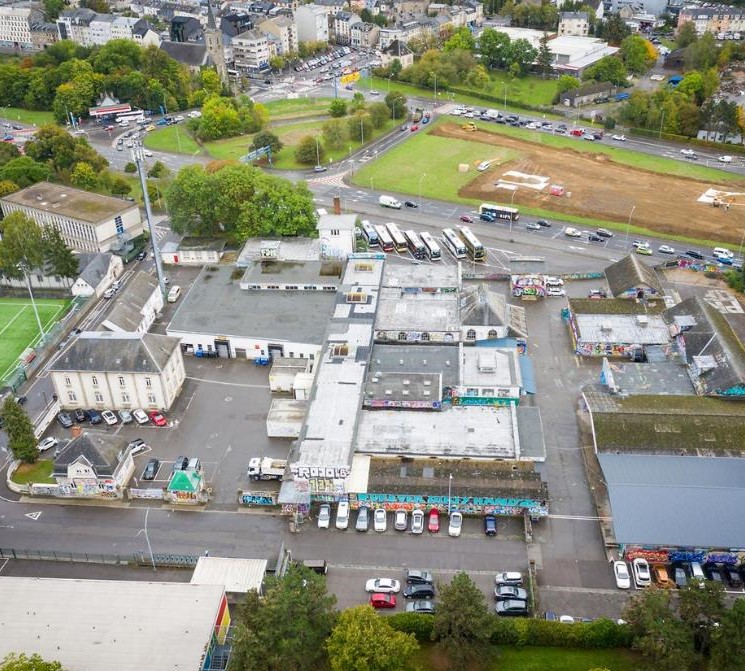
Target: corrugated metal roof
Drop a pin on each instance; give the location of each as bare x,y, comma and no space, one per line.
235,575
676,501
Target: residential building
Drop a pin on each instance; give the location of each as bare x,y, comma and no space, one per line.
342,27
186,29
331,7
336,233
16,21
235,23
574,23
588,94
97,272
43,35
251,51
87,222
194,56
403,32
312,23
122,27
137,313
118,371
716,19
193,251
397,50
285,30
364,35
75,25
144,35
631,278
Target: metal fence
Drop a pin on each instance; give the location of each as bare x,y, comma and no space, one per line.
136,558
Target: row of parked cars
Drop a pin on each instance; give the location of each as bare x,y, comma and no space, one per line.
419,589
156,417
676,574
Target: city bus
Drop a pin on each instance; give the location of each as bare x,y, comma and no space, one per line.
453,243
384,240
500,211
130,117
369,233
417,249
473,246
399,241
433,249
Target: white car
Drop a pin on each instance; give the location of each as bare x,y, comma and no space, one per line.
571,232
141,416
687,152
109,417
553,281
178,118
725,159
666,249
417,522
148,153
125,416
47,444
618,138
456,524
555,291
380,520
383,585
640,244
401,520
324,516
621,571
641,572
566,619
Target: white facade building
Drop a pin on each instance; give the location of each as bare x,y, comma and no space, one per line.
87,222
574,23
285,30
312,24
118,371
15,24
137,313
251,50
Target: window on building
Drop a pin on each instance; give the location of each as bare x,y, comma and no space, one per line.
334,231
125,397
487,392
121,381
151,399
71,396
471,334
119,225
149,382
94,380
492,333
99,397
401,336
425,336
68,382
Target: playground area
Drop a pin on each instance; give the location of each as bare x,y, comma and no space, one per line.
19,331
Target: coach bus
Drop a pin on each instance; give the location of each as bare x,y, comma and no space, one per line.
130,117
453,243
384,240
399,241
433,249
473,246
416,247
500,211
369,233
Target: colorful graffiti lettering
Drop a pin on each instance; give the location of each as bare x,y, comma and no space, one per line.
248,499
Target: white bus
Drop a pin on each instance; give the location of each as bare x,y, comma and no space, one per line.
384,240
399,241
433,249
416,247
130,117
473,246
500,211
369,233
453,243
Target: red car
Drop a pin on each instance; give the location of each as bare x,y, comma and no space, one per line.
433,525
467,218
413,128
378,600
157,418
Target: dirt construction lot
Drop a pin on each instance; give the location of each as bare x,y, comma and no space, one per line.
596,187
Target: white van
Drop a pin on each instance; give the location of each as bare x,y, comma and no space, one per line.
388,201
722,253
174,293
342,515
697,573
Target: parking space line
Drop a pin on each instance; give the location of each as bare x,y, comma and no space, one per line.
229,384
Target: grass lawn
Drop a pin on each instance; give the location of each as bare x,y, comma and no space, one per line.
18,328
26,116
401,169
539,659
298,107
41,472
174,139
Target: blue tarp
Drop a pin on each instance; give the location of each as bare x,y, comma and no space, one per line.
528,374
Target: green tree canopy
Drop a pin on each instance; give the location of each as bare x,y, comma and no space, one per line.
686,35
396,102
728,640
701,608
24,171
607,69
461,39
335,132
14,662
309,151
17,425
338,108
494,47
58,255
634,54
266,138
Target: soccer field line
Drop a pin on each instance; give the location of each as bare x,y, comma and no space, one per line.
18,314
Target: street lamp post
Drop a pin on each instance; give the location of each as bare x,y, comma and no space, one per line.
662,123
512,202
450,486
389,83
434,103
628,225
424,174
505,96
372,186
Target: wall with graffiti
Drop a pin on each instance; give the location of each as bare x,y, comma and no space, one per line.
257,498
528,286
468,505
606,349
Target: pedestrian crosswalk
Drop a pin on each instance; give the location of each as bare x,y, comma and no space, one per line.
333,180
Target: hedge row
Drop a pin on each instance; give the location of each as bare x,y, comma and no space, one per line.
683,139
523,631
488,97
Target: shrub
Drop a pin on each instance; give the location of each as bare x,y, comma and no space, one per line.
413,623
601,633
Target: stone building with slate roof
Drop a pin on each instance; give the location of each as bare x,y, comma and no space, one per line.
632,278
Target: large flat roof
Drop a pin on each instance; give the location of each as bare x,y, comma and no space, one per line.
69,202
417,359
89,625
234,574
417,312
485,366
420,275
625,329
217,305
268,271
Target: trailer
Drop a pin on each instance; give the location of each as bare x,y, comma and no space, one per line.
266,468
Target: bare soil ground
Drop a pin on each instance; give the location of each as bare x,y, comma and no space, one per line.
599,188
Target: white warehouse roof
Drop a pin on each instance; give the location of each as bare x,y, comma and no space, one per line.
235,575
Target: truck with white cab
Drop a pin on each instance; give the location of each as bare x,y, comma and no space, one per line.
389,201
266,468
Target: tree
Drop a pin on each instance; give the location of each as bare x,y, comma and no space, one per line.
545,58
607,69
13,662
614,29
358,102
379,114
7,187
130,168
634,54
701,608
338,108
728,640
8,151
396,102
61,151
335,133
521,55
18,428
266,138
309,151
99,6
84,177
117,55
58,255
494,47
118,186
396,67
703,53
686,35
284,630
462,39
567,83
364,641
462,622
24,171
478,77
52,8
360,127
158,171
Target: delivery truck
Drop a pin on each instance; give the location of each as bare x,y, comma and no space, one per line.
266,468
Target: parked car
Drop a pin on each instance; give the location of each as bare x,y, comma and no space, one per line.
732,577
140,416
151,469
47,444
531,226
543,223
666,249
455,524
383,600
511,607
136,446
419,577
555,291
109,417
553,281
94,417
417,521
422,591
572,232
125,416
502,592
640,243
80,415
695,255
621,572
597,293
604,233
619,138
380,520
509,578
157,418
433,523
661,576
680,577
644,251
490,525
713,572
180,463
64,420
410,203
642,576
383,585
363,519
324,516
467,218
592,237
401,520
421,606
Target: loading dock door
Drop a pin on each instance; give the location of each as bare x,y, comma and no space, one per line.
222,347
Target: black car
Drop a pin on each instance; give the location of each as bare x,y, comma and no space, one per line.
21,400
419,592
416,577
80,416
732,577
695,255
94,417
141,256
65,420
151,470
267,81
543,223
604,233
512,608
594,238
490,525
410,203
180,463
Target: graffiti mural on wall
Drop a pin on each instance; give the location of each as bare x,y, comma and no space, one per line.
258,499
605,349
469,505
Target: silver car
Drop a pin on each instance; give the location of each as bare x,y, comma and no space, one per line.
363,519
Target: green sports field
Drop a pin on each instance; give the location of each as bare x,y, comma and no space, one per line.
18,327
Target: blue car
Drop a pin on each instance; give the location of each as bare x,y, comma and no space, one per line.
487,216
161,122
